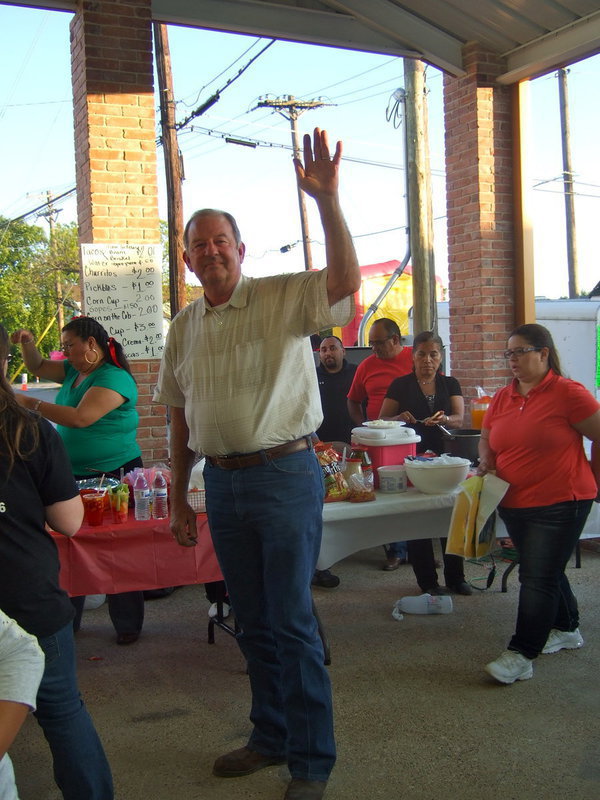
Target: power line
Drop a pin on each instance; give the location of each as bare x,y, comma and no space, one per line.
211,132
279,146
351,78
217,95
233,63
40,103
366,88
43,206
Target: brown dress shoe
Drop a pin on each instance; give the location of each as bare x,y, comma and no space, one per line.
392,563
243,762
305,790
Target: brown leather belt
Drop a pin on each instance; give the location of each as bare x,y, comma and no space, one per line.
263,457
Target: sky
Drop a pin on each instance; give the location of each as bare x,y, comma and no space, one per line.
257,184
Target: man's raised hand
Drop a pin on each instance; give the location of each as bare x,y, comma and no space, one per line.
318,175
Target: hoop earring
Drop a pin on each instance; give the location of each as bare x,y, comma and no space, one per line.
87,361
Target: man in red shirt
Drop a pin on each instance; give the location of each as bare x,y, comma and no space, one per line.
373,377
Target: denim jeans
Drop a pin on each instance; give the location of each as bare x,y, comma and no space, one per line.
544,538
266,526
81,769
397,550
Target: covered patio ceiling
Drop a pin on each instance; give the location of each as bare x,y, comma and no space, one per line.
532,36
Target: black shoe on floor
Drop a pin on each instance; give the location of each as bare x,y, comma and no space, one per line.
127,638
436,591
325,579
461,588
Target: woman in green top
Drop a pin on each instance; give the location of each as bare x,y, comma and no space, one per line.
96,417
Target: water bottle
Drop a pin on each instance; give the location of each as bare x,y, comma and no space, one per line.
160,502
141,496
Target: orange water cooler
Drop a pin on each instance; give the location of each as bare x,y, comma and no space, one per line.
478,408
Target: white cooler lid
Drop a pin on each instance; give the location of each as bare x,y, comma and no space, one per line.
381,437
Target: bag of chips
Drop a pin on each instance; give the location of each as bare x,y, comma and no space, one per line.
336,487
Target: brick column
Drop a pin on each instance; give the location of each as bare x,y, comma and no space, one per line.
115,152
479,174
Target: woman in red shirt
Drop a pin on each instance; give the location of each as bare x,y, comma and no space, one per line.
532,437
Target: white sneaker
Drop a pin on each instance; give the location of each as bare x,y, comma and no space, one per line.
510,667
563,640
212,611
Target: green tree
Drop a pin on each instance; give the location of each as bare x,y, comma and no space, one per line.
31,269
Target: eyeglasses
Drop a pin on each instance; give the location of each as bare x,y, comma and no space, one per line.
375,342
518,352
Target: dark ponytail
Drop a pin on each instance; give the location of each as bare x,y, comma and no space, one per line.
113,353
538,336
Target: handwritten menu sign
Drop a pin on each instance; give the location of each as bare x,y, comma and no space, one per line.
122,288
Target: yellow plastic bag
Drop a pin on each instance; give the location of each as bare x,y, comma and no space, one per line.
472,526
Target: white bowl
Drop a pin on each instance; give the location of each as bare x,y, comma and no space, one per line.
437,478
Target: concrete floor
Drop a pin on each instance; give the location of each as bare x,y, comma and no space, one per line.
416,716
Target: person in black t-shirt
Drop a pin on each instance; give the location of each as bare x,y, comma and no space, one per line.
335,376
37,486
427,395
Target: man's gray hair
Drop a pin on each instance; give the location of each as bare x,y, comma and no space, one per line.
212,212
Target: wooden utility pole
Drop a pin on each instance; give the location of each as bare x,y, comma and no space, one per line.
419,196
51,214
173,169
565,134
290,108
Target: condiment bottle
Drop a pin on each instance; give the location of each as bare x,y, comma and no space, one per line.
353,467
367,465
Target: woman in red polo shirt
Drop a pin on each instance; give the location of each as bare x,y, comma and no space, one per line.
532,436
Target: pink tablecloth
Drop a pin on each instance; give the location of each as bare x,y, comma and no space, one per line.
136,555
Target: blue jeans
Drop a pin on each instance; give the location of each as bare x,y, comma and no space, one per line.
266,523
81,769
397,550
544,538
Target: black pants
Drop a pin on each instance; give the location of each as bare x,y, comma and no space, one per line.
544,537
215,591
420,555
126,611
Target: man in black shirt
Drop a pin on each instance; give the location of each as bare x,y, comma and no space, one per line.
335,376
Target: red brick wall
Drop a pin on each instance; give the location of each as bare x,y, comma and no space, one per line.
115,152
479,174
151,431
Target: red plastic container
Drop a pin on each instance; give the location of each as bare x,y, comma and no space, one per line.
387,454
